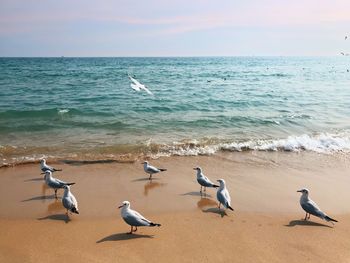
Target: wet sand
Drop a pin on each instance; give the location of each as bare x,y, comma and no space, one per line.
266,225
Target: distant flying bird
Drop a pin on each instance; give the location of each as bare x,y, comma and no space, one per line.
342,53
44,167
346,37
223,195
151,169
311,208
54,183
136,85
203,180
68,200
133,218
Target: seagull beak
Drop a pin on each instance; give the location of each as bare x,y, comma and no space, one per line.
42,173
120,206
299,191
194,168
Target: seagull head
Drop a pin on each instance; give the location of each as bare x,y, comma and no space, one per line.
125,204
222,182
198,169
42,161
304,191
145,162
48,173
66,187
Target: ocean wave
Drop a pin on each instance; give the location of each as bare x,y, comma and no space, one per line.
324,143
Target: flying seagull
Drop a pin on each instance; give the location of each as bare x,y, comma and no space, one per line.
133,218
44,167
136,85
311,208
151,169
346,37
203,180
223,195
69,201
54,183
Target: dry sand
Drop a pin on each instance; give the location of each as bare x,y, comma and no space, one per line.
266,225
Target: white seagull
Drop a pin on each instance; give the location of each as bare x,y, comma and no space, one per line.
133,218
203,180
151,169
223,195
44,167
54,183
311,208
69,201
136,85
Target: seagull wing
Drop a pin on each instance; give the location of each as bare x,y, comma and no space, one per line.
146,89
135,81
312,208
134,87
152,169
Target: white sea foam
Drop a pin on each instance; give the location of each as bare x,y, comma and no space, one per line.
63,111
321,143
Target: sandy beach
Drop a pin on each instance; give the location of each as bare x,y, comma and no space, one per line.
266,225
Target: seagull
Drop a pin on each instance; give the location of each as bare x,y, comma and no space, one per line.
311,208
223,195
69,201
346,37
151,169
44,167
203,180
133,218
54,183
136,85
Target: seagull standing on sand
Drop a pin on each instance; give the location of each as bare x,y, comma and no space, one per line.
203,180
223,195
136,85
44,167
69,201
133,218
54,183
311,208
151,169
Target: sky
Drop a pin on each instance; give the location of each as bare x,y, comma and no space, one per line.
93,28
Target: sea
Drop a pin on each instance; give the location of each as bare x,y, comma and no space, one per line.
85,108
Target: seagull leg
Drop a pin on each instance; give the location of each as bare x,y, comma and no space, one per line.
135,229
309,216
305,217
150,177
219,205
201,190
130,231
56,193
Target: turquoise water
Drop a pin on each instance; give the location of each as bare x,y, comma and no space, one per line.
85,107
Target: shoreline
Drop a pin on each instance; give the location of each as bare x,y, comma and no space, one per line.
266,225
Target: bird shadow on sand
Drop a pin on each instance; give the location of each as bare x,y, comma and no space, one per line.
215,210
41,197
305,223
144,179
197,194
34,179
58,217
123,236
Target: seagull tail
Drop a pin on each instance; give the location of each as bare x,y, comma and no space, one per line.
215,186
70,183
162,170
75,210
57,170
154,224
229,207
330,219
